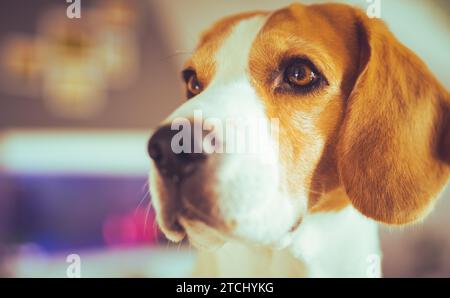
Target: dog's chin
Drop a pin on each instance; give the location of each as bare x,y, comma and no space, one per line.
174,236
192,216
202,236
199,234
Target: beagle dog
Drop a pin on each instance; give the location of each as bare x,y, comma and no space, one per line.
362,138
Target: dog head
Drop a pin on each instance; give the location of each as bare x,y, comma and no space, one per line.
337,110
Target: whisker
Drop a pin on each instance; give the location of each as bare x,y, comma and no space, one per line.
146,191
313,191
178,53
163,59
146,196
145,187
149,207
155,228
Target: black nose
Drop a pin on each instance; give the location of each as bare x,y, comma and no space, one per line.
175,165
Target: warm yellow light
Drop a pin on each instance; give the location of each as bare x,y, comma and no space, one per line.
20,57
78,62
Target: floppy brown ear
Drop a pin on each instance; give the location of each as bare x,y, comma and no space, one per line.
445,143
394,146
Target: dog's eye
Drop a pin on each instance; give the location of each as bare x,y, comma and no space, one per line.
193,85
300,74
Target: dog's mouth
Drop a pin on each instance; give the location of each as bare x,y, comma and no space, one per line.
200,210
173,230
201,230
189,211
206,232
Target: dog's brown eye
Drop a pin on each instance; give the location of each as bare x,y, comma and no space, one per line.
300,74
193,85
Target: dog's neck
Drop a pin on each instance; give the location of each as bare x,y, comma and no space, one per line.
334,244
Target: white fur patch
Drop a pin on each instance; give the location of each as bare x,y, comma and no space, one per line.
248,187
338,244
249,190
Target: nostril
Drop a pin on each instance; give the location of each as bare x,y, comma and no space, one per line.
191,157
155,151
170,163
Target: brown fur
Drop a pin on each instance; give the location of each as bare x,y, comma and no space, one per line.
383,119
316,32
203,58
388,148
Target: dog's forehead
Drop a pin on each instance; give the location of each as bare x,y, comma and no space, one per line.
212,40
329,28
222,28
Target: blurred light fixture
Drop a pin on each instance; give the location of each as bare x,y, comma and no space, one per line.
45,152
73,63
20,57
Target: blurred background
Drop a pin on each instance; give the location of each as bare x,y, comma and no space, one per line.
78,100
